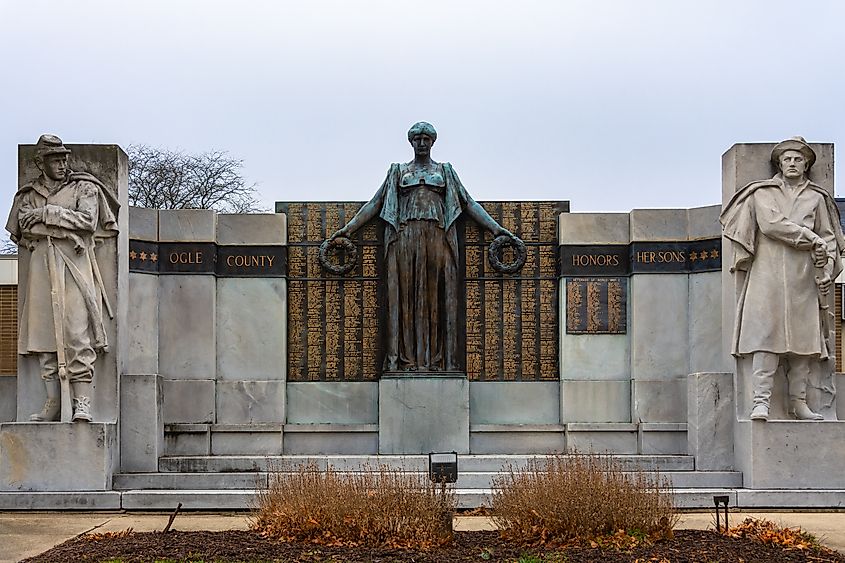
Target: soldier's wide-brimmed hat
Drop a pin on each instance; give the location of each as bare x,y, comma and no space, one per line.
50,144
794,144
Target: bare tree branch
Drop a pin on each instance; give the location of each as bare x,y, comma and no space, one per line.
6,245
165,179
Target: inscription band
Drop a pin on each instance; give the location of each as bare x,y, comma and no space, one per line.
207,258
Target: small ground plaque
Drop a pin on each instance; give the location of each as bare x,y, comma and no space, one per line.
596,305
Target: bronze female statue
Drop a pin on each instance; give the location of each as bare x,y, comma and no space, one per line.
419,202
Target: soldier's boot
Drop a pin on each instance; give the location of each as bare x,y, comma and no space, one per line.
764,366
81,401
798,399
52,405
798,409
760,412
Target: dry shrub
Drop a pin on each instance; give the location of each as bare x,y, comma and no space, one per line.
770,533
581,497
99,536
374,507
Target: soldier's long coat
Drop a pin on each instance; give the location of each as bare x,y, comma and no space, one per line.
773,228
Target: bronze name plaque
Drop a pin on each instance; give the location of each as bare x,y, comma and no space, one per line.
336,323
596,305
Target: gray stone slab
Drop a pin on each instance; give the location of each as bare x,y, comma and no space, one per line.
795,498
332,402
705,323
142,322
704,223
314,443
8,398
594,228
240,499
249,402
186,443
246,443
594,356
189,401
596,401
659,326
36,500
702,498
143,223
663,443
57,456
790,455
514,402
614,442
251,328
187,341
420,414
710,419
252,228
142,423
659,225
517,442
662,400
187,225
176,481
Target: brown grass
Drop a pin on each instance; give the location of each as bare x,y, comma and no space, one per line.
380,507
580,497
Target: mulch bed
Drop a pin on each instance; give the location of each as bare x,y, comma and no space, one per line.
239,546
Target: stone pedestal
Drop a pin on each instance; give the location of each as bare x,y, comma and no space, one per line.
710,420
420,413
57,456
790,455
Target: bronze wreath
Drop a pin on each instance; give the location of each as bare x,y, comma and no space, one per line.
346,245
494,253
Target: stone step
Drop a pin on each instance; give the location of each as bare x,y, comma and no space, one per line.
466,480
466,463
243,499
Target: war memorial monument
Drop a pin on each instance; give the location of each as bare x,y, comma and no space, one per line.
175,356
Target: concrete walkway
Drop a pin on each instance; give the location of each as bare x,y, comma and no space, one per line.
24,534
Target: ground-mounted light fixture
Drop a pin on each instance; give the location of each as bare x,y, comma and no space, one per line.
721,501
443,467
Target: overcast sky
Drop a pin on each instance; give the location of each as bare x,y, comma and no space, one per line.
611,105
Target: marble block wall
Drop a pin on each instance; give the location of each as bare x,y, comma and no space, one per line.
209,348
674,327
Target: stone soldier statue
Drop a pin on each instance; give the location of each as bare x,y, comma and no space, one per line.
57,217
787,237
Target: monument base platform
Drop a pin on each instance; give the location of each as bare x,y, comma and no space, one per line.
57,456
422,413
790,454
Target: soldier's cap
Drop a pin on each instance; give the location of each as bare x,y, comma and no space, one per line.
794,144
49,144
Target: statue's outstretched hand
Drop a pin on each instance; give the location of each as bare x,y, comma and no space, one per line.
339,233
504,231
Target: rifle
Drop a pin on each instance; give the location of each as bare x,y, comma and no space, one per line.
58,326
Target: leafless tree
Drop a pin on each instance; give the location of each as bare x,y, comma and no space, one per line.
166,179
6,245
